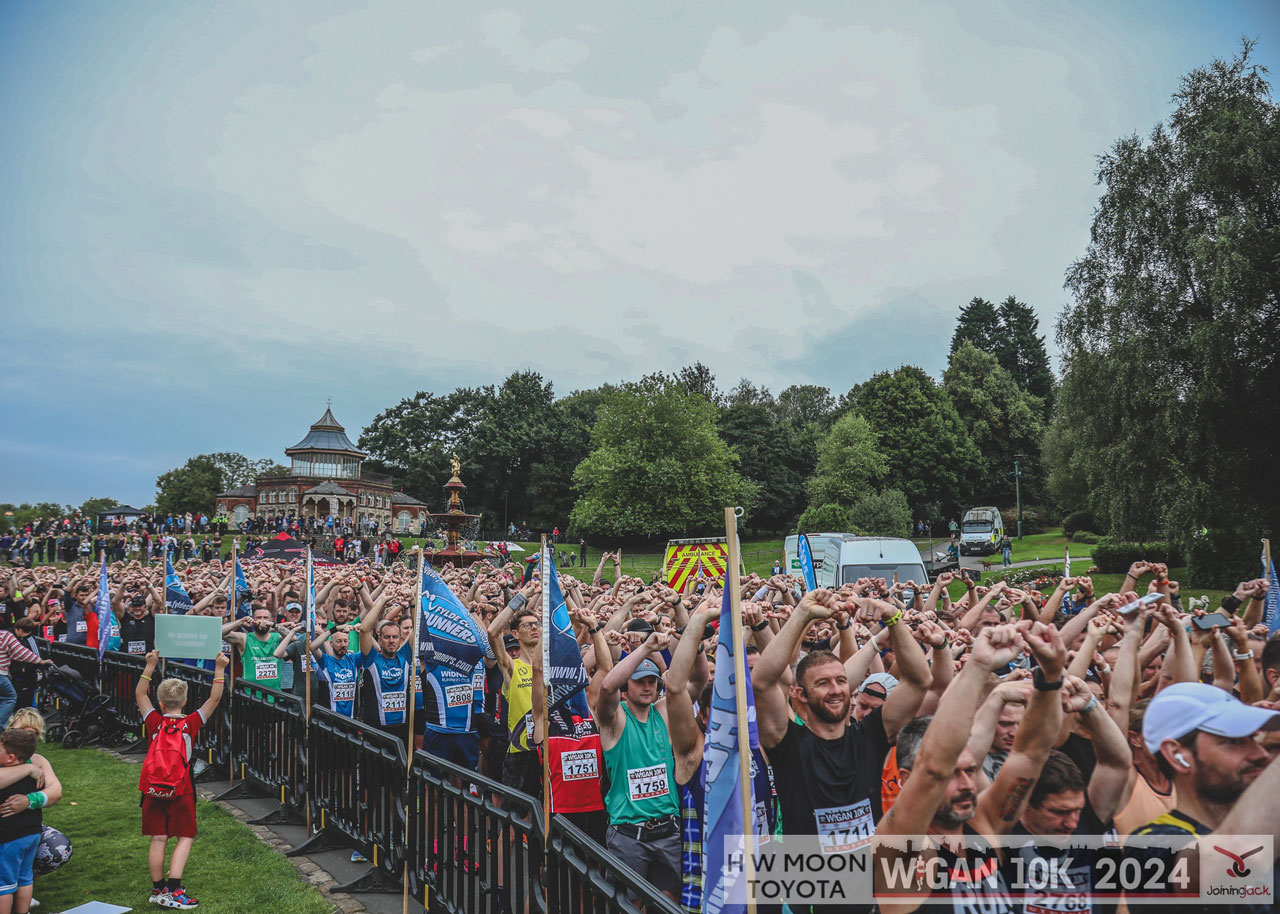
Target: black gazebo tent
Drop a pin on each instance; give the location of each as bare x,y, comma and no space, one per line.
284,547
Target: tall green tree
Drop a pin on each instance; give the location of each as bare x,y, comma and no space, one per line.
190,487
931,457
765,449
657,465
881,514
1003,420
1020,350
1169,348
92,507
850,463
978,323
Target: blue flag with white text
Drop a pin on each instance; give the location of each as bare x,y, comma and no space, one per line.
449,636
176,598
103,609
806,562
722,813
563,671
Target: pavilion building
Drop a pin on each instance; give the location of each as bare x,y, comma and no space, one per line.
325,478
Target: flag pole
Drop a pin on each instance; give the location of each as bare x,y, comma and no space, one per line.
545,647
411,700
231,698
309,621
740,695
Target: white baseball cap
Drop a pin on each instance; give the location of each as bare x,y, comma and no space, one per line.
883,680
1187,706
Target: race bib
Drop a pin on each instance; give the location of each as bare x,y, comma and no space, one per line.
82,625
265,669
137,647
393,703
579,765
477,680
843,828
458,696
226,648
647,783
304,663
62,637
343,691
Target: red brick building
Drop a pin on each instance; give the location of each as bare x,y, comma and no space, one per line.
325,479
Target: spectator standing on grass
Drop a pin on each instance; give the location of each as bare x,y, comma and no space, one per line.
168,793
1006,550
27,785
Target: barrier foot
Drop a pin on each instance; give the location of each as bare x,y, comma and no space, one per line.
239,791
373,881
320,841
281,815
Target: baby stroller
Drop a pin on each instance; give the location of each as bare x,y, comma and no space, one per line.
80,715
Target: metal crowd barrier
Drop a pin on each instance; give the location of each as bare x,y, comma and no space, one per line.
269,749
117,679
356,789
584,878
81,658
468,836
474,845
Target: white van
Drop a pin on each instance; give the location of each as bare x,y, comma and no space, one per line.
817,545
850,557
981,531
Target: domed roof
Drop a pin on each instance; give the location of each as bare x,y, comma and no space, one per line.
327,435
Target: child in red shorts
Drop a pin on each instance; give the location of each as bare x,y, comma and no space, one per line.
169,796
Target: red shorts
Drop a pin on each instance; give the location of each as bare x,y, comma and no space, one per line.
175,817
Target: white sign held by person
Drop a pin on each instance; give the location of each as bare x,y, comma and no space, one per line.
189,637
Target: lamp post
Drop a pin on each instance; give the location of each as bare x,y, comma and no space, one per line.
1017,486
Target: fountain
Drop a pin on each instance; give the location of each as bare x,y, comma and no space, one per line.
451,522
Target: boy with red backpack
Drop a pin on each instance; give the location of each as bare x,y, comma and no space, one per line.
168,794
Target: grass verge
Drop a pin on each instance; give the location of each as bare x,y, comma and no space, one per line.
230,870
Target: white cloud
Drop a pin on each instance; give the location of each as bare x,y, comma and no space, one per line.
504,32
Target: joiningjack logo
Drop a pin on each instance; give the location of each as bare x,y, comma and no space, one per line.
1237,867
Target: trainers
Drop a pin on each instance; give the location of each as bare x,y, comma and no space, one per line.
357,857
157,895
180,899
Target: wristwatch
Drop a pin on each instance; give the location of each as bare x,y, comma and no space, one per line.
1038,680
764,623
1247,655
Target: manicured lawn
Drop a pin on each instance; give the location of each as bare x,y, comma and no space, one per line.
230,870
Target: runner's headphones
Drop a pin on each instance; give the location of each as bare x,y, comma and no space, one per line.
1181,759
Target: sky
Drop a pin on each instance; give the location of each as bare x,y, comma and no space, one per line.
217,216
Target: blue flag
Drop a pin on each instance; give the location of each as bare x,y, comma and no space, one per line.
562,668
311,596
449,636
238,593
176,598
1271,609
722,814
103,609
806,562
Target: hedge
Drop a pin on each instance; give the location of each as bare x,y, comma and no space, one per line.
1115,558
1223,557
1079,520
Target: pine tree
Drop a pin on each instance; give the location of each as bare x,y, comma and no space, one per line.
979,323
1020,350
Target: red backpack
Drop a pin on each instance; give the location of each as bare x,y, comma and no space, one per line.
165,769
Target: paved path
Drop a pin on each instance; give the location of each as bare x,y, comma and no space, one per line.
324,869
974,562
